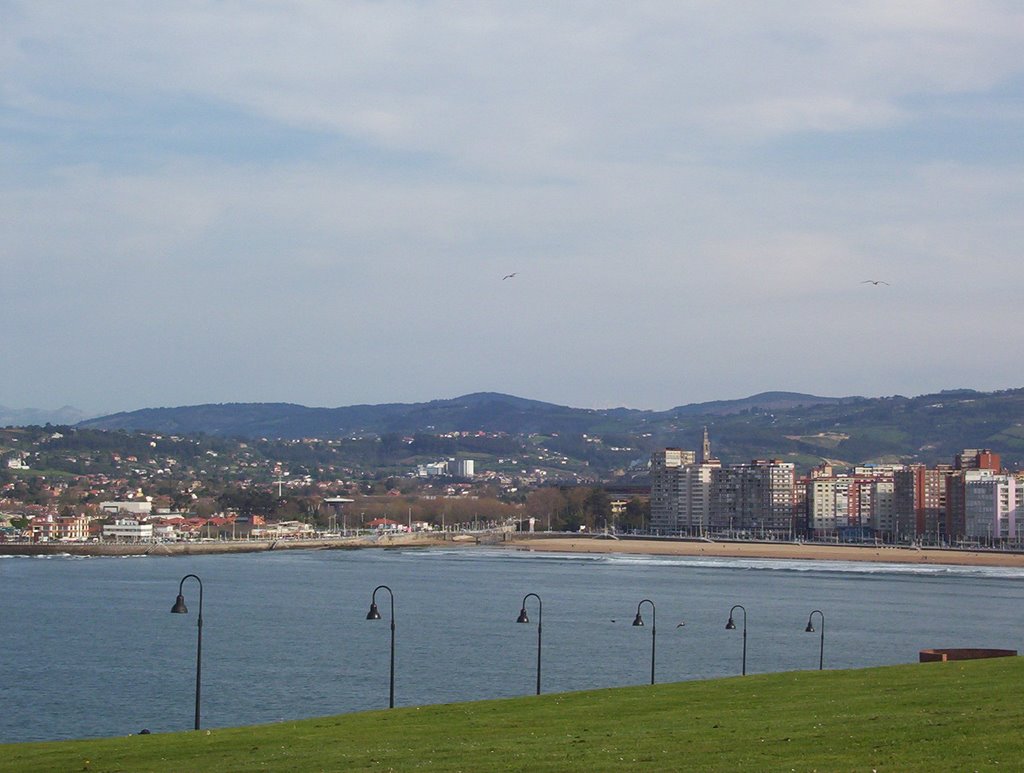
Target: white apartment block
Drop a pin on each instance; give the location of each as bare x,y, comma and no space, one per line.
991,504
695,496
128,529
465,468
883,514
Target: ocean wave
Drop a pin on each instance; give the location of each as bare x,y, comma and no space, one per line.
802,566
820,566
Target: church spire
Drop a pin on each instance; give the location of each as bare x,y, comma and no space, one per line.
705,448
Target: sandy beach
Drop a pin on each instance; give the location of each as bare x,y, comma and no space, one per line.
566,543
783,550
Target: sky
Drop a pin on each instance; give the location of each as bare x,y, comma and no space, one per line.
317,202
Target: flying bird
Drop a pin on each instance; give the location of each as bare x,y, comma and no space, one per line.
509,276
875,282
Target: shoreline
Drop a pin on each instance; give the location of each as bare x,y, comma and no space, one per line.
566,543
768,550
236,546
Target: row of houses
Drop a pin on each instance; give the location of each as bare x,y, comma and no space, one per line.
164,527
970,499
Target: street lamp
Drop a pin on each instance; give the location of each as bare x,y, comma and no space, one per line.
524,619
731,626
810,629
640,621
374,614
179,608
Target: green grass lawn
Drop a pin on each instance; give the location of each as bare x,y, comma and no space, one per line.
964,716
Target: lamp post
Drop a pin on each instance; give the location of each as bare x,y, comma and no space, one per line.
524,619
810,629
731,626
179,608
654,620
374,614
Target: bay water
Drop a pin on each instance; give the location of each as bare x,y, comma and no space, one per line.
88,646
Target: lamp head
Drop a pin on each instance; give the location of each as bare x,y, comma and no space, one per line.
638,620
374,613
809,628
179,607
731,625
522,616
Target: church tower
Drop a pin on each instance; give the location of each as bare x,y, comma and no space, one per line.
705,448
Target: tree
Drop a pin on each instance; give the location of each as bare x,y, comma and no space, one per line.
637,514
545,505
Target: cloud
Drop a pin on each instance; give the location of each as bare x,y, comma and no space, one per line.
311,184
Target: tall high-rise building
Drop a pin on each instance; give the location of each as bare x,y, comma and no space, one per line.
681,489
919,502
667,488
695,496
993,505
882,513
756,497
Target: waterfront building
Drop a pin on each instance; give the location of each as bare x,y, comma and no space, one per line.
756,498
695,496
883,519
862,501
666,488
128,529
992,505
45,528
919,502
681,489
827,503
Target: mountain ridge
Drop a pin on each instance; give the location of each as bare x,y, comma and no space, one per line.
799,427
488,411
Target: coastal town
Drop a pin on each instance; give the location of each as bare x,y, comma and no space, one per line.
62,485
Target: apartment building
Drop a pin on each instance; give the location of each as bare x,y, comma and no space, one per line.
757,498
919,502
863,500
667,488
992,505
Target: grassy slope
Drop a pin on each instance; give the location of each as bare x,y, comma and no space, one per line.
927,717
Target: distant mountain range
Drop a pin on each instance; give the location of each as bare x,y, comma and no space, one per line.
803,428
483,411
24,417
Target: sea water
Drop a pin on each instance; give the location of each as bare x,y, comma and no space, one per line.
88,646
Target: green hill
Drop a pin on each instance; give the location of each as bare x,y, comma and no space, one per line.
802,428
962,716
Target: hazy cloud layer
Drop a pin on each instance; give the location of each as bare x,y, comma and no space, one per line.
316,202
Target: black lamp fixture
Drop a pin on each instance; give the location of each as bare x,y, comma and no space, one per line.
731,626
374,614
524,618
179,608
639,621
810,629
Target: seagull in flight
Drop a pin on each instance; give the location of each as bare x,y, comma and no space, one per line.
875,282
509,276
